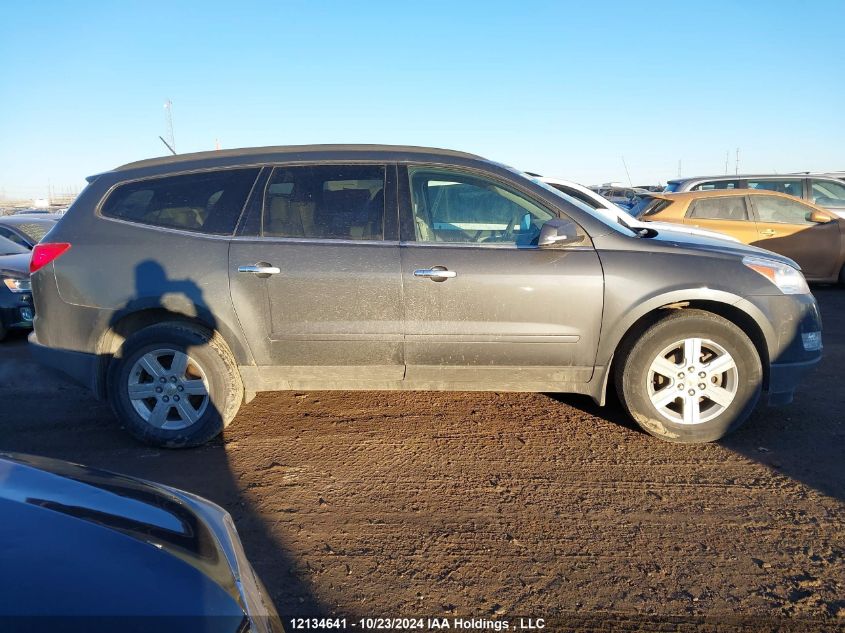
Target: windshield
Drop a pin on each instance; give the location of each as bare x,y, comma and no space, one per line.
8,247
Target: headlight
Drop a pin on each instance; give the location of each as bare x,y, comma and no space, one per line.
18,285
789,280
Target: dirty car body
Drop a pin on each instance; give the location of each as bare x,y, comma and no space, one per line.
376,267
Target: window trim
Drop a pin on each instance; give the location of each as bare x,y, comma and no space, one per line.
98,210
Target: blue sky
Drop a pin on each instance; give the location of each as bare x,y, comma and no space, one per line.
565,89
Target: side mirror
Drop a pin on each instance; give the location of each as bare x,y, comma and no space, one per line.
818,217
558,232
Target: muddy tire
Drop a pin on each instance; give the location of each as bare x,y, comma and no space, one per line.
175,385
691,377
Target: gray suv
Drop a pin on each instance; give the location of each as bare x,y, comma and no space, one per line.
179,287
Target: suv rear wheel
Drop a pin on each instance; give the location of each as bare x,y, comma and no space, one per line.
692,377
175,385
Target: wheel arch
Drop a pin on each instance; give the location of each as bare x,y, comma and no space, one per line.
123,325
731,307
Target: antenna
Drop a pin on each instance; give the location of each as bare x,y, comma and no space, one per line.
679,168
166,144
625,165
168,120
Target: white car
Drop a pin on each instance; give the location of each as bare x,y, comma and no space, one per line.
617,214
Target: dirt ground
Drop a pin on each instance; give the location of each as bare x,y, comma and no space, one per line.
503,505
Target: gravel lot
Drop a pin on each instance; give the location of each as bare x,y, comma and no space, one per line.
456,504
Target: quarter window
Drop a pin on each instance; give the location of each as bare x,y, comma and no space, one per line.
460,208
716,184
781,210
207,202
727,208
325,202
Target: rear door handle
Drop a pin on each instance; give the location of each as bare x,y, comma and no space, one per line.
435,273
259,269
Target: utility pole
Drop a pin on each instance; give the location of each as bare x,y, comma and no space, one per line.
737,161
727,154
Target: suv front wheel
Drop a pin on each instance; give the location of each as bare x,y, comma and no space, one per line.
692,377
175,385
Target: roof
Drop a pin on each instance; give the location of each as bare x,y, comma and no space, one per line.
286,150
29,218
746,176
721,193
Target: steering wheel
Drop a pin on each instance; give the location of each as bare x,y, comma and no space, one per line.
505,236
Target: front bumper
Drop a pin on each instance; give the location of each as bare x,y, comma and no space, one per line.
797,344
79,366
784,378
16,310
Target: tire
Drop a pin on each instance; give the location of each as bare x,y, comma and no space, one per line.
209,391
642,382
842,276
3,332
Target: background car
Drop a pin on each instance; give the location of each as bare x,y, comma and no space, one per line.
90,550
806,233
617,214
16,309
624,197
823,190
27,229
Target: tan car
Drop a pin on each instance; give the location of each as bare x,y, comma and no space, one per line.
802,231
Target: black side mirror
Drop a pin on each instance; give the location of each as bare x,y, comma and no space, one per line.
558,232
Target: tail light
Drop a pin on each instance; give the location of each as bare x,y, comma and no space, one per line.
43,254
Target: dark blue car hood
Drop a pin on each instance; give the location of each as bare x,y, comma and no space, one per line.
80,544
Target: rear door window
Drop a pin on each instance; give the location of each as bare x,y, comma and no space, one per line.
336,202
828,192
790,186
727,208
205,202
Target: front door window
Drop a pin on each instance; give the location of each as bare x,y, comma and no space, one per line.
456,207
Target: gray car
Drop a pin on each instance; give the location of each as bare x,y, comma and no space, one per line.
179,287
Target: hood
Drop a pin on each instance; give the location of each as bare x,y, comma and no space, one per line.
15,265
113,535
693,243
663,227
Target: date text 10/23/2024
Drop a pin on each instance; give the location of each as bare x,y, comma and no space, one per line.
416,624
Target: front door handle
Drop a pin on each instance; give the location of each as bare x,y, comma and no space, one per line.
261,268
435,273
768,232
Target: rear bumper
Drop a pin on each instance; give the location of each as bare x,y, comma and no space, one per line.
79,366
